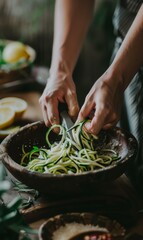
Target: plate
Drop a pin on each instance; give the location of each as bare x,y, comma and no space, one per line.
55,225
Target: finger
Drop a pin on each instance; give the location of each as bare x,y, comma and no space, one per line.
112,116
97,122
85,111
111,120
73,106
52,113
110,125
45,117
44,113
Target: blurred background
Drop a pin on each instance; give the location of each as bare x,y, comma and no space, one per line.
31,22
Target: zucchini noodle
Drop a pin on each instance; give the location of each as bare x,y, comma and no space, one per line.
69,155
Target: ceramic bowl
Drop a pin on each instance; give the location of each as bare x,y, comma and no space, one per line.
48,228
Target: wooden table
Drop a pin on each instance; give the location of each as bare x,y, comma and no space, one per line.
118,199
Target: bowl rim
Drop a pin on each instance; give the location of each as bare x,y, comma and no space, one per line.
9,161
83,215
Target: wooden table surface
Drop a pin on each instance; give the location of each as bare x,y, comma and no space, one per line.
117,199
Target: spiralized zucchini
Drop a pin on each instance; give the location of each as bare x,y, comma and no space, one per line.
70,155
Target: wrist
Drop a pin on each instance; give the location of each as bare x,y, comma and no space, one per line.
60,72
60,66
115,80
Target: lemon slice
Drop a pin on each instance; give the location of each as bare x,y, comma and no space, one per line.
5,132
14,51
7,115
17,104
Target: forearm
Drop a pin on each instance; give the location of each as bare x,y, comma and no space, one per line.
72,19
130,55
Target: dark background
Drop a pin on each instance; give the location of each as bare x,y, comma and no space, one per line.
32,23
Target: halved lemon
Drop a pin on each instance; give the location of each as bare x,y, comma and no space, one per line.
7,116
17,104
14,51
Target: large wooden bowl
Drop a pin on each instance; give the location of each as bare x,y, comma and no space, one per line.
65,184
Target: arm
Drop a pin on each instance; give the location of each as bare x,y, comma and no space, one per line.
72,18
104,98
130,56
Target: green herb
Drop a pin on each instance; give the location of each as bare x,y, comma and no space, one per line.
23,189
12,225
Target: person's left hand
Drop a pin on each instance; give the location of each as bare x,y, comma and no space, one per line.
102,104
60,88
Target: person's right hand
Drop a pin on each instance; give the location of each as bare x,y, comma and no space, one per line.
103,103
60,88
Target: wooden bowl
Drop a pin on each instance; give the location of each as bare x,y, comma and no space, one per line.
65,184
49,227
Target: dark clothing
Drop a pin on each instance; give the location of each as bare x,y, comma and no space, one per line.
124,15
132,119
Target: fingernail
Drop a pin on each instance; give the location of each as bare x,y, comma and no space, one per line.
55,122
56,130
87,126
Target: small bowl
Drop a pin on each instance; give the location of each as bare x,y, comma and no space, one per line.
65,184
106,225
20,71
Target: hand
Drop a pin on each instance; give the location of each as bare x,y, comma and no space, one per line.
60,88
102,104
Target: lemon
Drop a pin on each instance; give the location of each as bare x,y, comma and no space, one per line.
7,116
18,105
14,51
5,132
